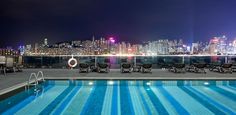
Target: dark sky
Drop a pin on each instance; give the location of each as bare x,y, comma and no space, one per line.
29,21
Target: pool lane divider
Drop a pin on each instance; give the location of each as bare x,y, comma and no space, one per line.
203,100
95,101
156,102
223,100
79,100
114,108
136,101
165,102
178,107
209,100
26,101
224,92
65,103
151,107
118,97
188,102
107,103
144,101
125,99
228,89
47,110
232,86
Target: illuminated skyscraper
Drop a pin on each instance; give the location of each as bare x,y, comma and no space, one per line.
194,49
111,45
217,45
45,42
36,47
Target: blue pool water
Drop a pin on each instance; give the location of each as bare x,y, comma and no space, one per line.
124,98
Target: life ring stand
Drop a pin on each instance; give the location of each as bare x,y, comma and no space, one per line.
71,60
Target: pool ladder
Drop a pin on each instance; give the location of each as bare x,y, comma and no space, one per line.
36,78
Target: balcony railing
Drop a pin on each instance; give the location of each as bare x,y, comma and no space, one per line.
115,61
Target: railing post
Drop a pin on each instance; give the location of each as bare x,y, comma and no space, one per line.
183,59
134,61
41,61
95,62
41,73
35,80
226,59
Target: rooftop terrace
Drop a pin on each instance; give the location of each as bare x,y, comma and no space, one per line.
19,79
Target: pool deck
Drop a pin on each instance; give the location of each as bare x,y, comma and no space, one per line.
19,79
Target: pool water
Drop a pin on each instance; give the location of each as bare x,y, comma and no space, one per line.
124,98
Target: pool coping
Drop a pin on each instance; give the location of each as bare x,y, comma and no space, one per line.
140,78
24,84
15,87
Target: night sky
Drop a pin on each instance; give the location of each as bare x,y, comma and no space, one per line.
29,21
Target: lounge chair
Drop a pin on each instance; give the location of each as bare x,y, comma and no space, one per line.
227,67
3,64
10,64
92,65
234,67
107,61
189,68
178,68
146,68
164,65
83,67
199,67
103,67
19,64
170,66
196,67
214,66
126,67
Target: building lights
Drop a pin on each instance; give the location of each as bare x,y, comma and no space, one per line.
112,39
109,47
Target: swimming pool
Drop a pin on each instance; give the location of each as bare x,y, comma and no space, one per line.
124,97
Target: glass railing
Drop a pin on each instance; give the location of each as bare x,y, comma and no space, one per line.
115,61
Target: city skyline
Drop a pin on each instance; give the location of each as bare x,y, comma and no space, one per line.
219,45
117,57
26,21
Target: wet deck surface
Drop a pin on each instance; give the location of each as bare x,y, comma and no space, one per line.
18,79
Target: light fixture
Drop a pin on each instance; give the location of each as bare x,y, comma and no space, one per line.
90,83
148,83
110,82
206,83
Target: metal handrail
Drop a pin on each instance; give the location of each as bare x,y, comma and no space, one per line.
36,79
30,79
42,77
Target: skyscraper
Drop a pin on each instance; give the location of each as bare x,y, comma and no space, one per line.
45,42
